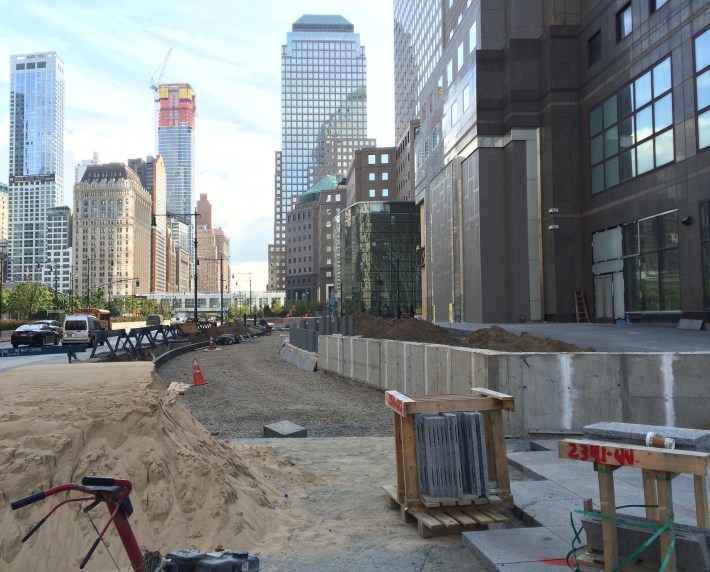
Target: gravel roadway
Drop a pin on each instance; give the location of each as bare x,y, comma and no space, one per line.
248,385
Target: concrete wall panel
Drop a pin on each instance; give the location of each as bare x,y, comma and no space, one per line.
554,393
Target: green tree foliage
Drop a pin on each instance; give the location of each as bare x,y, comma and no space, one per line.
28,297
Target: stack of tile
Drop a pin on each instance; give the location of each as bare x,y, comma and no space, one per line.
451,455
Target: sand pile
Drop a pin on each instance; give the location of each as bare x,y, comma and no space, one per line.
60,423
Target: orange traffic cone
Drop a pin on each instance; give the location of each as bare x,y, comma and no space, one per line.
211,346
197,378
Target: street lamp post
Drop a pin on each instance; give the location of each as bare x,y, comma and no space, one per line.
236,283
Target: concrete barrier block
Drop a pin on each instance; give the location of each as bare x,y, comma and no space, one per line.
359,350
414,368
389,356
373,373
461,360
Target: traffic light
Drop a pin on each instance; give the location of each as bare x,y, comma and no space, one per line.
138,284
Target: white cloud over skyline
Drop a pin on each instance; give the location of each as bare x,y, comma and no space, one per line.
230,51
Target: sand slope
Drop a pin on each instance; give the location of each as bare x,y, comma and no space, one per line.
59,423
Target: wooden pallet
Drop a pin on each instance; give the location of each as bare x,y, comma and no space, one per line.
445,520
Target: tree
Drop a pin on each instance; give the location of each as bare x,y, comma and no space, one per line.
28,297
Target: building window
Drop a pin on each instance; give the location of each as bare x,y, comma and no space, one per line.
371,193
385,192
594,48
624,22
651,264
631,132
472,41
384,158
385,176
656,4
371,176
371,159
702,88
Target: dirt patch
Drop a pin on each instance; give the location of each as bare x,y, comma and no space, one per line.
491,338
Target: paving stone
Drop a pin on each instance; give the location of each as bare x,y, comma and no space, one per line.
284,429
528,546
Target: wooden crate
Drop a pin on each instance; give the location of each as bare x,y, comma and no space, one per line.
437,516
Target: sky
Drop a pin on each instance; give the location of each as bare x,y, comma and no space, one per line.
229,51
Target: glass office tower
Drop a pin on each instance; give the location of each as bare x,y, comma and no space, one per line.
176,144
36,158
323,96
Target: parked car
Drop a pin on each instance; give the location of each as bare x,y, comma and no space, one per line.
34,335
81,329
56,326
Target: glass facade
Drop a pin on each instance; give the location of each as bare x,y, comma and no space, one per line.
651,264
323,98
631,133
36,165
376,244
176,144
418,45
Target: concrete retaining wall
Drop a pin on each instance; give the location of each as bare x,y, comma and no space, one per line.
554,393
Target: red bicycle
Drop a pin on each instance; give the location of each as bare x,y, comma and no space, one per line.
115,494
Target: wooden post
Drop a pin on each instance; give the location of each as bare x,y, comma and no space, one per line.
497,445
409,451
399,455
608,508
665,511
650,493
701,500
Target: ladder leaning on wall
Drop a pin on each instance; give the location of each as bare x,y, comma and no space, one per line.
581,307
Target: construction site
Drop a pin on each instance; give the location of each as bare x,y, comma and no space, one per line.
408,446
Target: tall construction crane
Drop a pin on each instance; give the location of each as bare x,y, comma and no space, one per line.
155,84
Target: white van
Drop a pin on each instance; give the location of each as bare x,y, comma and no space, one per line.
81,329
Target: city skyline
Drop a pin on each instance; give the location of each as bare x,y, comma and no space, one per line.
233,63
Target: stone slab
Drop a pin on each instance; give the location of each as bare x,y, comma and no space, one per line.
284,429
692,543
686,324
544,503
634,433
535,548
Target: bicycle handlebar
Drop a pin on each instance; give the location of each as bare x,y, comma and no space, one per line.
19,503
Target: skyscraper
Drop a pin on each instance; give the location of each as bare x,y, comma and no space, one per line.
176,144
36,158
561,157
324,97
151,173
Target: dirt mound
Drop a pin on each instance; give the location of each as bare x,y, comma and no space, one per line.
405,330
499,339
190,490
492,338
